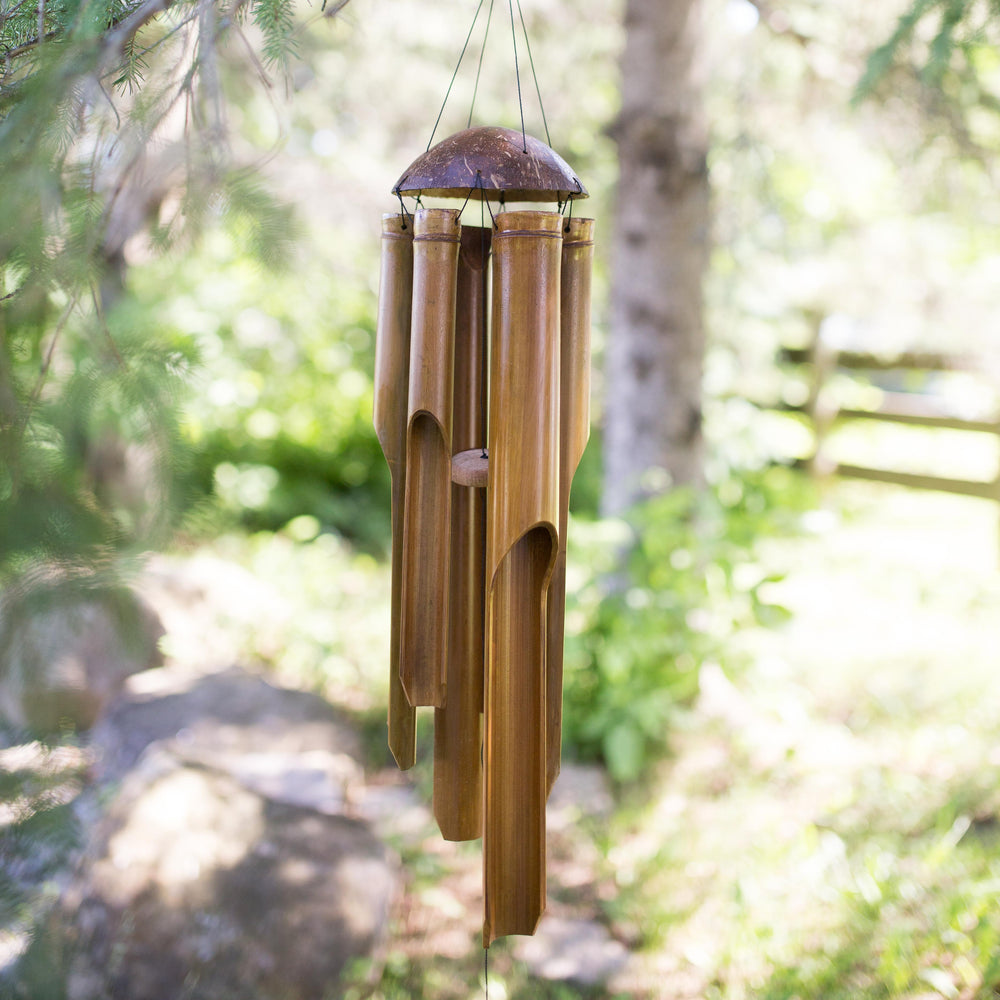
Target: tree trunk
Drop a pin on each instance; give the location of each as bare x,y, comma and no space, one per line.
656,345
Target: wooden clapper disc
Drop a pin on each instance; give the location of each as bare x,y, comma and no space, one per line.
479,557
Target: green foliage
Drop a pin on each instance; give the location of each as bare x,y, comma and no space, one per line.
276,23
280,421
636,640
38,837
947,48
95,162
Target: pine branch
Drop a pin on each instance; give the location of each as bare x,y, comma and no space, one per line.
32,43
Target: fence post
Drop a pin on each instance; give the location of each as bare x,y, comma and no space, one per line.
996,485
823,360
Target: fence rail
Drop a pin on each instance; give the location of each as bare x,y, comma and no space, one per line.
894,407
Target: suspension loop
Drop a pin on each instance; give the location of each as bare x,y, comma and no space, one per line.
479,70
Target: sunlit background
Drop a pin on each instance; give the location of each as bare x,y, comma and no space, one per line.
781,736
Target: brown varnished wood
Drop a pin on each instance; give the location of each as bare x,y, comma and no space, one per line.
574,432
392,373
514,843
427,502
470,468
522,541
458,802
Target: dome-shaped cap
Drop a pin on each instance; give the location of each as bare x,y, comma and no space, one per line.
493,161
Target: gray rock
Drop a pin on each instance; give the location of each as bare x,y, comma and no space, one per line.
199,887
66,651
582,791
577,951
225,856
238,722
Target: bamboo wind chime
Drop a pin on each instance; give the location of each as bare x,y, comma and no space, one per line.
482,387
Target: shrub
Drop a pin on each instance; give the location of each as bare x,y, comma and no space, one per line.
652,599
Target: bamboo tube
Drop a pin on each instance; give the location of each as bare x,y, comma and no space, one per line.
522,539
574,432
458,803
427,500
392,373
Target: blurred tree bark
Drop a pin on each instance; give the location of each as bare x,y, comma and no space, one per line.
653,412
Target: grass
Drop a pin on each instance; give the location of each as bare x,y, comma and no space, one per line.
826,825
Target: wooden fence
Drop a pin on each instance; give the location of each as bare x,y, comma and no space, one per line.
913,409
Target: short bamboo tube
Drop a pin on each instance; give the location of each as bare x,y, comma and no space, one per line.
427,502
574,432
458,790
522,541
392,374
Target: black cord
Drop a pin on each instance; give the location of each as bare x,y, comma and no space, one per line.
479,70
406,215
455,74
531,61
490,210
517,74
484,403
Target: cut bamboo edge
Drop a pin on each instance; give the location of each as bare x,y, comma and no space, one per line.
392,374
479,542
424,618
458,795
522,499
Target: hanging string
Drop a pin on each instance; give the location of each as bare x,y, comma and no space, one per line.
538,89
468,196
490,210
455,74
517,74
479,70
486,971
406,215
484,378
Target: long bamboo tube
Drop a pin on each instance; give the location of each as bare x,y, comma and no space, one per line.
458,790
574,432
392,374
522,540
427,501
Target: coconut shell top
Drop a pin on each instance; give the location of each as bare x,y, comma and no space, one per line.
490,161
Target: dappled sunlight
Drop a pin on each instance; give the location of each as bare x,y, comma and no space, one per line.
828,823
180,836
781,733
